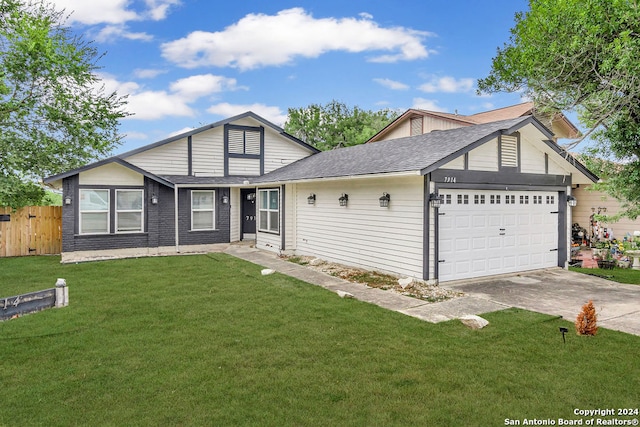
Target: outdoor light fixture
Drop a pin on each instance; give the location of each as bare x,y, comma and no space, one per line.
384,200
67,200
225,199
564,331
572,201
311,199
435,200
251,197
154,199
343,199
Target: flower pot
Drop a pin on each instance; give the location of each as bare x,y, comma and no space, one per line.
607,265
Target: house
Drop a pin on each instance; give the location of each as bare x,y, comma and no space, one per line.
416,122
475,200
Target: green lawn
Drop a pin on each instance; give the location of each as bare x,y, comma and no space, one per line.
621,275
207,340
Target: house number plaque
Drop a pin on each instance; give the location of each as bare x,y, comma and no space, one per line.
450,179
249,217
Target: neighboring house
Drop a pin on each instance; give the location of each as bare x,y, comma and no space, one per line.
472,201
416,122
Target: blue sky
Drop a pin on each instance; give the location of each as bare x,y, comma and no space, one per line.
187,63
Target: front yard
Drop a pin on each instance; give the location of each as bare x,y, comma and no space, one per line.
207,340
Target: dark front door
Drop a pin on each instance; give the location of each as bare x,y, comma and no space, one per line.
248,197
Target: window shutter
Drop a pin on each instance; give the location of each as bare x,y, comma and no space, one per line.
252,140
416,126
509,153
236,141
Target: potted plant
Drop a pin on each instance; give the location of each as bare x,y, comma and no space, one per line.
607,261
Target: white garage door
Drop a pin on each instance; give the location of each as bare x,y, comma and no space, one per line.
483,233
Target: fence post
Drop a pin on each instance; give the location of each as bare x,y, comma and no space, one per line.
62,293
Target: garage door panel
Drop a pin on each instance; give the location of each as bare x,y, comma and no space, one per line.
478,239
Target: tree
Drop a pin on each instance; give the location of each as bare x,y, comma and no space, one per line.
335,124
582,55
54,115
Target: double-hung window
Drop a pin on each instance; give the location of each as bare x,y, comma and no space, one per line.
94,211
269,210
203,209
129,211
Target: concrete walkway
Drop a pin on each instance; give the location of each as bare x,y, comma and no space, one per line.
554,291
431,312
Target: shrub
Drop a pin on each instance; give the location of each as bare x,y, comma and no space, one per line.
586,320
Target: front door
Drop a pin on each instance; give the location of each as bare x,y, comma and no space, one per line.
248,213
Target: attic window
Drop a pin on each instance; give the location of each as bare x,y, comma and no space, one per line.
509,151
244,141
416,126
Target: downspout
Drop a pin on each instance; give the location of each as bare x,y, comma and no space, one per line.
175,210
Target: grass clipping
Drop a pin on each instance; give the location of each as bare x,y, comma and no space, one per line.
586,320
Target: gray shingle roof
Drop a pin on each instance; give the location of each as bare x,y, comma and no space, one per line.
415,153
204,180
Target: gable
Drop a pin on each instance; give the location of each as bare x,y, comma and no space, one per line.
112,173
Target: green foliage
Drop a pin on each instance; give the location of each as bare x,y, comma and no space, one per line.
582,55
207,340
335,124
54,115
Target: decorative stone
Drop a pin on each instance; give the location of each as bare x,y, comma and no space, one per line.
474,322
316,261
267,271
405,282
344,294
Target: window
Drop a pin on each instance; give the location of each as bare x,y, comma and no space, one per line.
510,199
551,200
537,200
94,211
524,200
203,212
447,199
129,210
269,211
495,199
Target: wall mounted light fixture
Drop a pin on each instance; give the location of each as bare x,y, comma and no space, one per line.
572,201
251,197
154,199
435,199
225,199
384,200
311,199
344,199
67,200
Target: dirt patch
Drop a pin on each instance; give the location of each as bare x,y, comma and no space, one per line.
374,279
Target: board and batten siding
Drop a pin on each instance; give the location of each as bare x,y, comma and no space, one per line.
363,234
208,152
167,159
112,174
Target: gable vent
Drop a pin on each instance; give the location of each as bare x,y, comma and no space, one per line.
416,126
244,142
236,141
509,152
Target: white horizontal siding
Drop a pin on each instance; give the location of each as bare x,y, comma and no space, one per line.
235,217
457,163
244,167
556,169
113,174
167,159
290,216
363,234
208,152
484,157
532,159
279,151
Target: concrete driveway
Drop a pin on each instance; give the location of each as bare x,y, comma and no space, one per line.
561,292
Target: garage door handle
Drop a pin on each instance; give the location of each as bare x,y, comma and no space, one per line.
553,250
503,229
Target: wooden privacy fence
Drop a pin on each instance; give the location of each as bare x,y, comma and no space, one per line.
33,230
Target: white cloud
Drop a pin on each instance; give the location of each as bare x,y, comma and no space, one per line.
271,113
260,40
391,84
136,135
427,104
147,104
178,132
147,73
110,33
447,84
114,11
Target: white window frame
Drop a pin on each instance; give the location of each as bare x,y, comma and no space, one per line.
212,209
118,211
108,211
268,211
